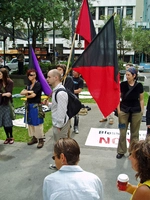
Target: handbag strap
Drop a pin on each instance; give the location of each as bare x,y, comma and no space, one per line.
130,90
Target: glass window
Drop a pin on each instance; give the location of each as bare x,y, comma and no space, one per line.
119,10
101,12
129,12
110,10
93,13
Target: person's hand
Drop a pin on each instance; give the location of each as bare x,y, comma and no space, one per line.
148,126
45,102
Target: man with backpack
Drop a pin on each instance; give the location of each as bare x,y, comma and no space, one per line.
60,119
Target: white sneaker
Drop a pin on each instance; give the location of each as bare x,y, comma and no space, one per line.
51,166
76,131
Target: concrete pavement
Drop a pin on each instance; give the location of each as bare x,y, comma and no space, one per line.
23,167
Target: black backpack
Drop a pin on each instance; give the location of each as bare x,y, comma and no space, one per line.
74,104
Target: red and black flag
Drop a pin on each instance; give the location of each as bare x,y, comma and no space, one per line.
98,65
85,26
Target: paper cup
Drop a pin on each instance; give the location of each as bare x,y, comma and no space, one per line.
122,181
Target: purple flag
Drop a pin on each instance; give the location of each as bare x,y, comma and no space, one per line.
45,86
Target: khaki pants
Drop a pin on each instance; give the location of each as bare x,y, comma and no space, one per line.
63,133
123,126
36,131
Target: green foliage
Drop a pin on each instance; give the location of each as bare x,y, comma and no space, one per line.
120,65
140,41
54,13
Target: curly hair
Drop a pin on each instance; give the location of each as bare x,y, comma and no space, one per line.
70,148
141,152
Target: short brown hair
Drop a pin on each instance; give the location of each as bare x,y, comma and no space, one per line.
70,148
63,66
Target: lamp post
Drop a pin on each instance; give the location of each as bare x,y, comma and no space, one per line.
73,25
120,39
73,29
13,29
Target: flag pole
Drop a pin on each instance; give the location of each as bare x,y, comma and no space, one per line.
69,58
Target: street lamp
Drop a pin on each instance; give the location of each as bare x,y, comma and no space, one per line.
13,33
120,38
73,25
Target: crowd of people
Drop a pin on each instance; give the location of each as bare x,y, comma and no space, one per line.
66,150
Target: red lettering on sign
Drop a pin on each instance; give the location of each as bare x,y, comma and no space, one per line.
101,140
115,140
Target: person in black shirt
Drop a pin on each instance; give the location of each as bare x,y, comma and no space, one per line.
34,114
78,86
66,81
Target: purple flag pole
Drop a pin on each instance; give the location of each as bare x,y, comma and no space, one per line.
45,86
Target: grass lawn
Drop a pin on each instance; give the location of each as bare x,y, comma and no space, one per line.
21,134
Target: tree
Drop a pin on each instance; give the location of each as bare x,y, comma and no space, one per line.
140,41
34,13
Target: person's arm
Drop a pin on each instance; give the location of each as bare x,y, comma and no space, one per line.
27,93
131,188
142,193
77,91
142,102
62,102
6,94
148,113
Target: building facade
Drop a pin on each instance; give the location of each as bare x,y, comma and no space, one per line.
100,8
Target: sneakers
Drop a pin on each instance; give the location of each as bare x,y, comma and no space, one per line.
33,141
103,120
111,121
76,131
51,166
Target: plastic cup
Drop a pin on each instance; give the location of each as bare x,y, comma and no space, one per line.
122,181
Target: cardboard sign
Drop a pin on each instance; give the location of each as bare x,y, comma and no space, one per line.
103,137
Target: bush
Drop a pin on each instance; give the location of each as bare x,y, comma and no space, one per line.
120,65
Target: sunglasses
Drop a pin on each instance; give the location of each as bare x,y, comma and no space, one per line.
31,74
53,157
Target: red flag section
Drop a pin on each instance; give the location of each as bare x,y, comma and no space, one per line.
85,26
98,65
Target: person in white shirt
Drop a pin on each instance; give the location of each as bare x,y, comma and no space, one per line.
70,181
60,119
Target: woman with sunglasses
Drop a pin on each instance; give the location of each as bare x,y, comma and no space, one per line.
140,162
34,114
70,181
130,110
6,87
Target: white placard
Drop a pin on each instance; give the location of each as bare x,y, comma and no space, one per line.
102,137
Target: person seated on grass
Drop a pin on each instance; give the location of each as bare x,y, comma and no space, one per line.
70,181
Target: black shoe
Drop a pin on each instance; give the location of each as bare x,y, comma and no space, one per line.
88,108
118,156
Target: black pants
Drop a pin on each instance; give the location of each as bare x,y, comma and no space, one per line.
20,68
76,120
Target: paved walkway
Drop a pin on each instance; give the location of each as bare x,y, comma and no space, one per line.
23,167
